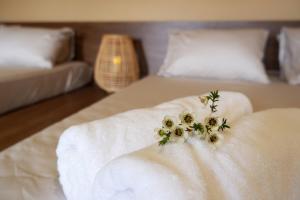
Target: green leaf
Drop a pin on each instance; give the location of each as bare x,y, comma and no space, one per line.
224,125
165,139
198,127
214,97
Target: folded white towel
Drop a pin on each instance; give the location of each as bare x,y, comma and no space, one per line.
86,148
260,159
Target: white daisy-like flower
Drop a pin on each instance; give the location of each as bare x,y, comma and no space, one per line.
187,118
215,139
168,123
204,100
160,132
213,122
179,135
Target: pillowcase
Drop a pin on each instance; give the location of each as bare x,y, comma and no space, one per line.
289,54
35,47
234,54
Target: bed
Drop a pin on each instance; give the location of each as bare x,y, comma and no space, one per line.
23,178
22,87
28,169
36,63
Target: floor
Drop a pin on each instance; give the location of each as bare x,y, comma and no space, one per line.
19,124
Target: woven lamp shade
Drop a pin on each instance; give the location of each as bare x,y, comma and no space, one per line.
116,65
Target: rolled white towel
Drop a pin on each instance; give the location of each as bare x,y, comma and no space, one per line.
258,160
86,148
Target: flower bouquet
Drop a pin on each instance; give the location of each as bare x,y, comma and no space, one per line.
210,130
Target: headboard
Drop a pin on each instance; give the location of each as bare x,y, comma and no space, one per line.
151,38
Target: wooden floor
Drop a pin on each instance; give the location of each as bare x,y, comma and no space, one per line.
19,124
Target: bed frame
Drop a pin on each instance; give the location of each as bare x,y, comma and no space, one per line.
151,38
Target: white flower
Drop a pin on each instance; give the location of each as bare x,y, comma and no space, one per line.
179,135
168,123
187,118
213,122
204,100
215,139
160,131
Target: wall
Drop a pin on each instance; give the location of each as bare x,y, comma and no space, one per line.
152,10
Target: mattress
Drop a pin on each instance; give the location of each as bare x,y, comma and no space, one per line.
19,87
28,169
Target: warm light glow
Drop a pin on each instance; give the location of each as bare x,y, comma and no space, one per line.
117,60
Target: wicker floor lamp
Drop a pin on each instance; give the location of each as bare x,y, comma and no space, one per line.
116,65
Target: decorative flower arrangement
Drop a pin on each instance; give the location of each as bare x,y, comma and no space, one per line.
210,130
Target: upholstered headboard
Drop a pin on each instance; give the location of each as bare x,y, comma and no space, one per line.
151,38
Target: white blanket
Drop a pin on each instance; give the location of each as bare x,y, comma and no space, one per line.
85,149
260,159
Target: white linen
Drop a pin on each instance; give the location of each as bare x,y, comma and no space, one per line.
28,169
26,47
289,51
217,54
258,160
86,148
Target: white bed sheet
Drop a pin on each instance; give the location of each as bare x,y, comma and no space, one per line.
28,169
20,87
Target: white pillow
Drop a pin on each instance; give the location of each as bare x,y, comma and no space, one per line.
217,54
289,54
34,47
